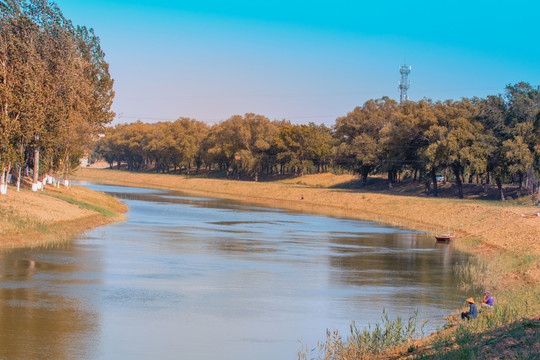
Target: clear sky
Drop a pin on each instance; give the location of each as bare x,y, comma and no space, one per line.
306,61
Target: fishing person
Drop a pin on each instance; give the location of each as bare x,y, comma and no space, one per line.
488,301
473,310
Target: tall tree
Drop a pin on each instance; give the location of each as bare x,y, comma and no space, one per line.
359,134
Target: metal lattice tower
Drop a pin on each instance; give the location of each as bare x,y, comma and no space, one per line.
404,84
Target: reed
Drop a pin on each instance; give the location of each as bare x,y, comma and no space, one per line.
369,342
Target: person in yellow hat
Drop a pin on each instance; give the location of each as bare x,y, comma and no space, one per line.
473,310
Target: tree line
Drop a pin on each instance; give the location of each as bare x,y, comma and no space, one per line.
55,89
495,139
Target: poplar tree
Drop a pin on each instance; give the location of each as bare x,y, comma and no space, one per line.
55,86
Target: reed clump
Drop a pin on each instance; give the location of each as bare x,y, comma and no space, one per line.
367,343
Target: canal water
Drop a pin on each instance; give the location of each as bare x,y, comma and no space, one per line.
197,278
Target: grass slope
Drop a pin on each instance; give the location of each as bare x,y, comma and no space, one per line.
37,218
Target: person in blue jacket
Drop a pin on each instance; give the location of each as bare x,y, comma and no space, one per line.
473,310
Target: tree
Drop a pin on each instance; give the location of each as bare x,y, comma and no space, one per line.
55,86
359,135
509,122
295,148
242,142
188,137
406,137
457,117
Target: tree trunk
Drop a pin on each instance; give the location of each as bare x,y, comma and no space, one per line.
538,190
365,174
434,180
499,186
457,174
36,165
19,179
2,181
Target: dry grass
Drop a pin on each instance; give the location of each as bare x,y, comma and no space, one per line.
325,180
35,218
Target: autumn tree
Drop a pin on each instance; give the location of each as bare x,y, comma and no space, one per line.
242,142
359,136
509,123
188,137
55,84
455,144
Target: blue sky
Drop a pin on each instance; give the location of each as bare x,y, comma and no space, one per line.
306,61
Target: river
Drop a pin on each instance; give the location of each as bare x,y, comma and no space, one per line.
196,278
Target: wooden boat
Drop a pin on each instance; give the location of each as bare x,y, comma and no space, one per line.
445,237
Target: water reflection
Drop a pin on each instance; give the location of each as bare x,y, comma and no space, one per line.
40,318
210,278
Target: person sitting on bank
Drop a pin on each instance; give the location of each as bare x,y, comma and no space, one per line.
473,310
488,301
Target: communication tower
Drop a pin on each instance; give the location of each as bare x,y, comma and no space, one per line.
404,84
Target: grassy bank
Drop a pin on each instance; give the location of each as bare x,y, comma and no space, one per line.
505,237
29,219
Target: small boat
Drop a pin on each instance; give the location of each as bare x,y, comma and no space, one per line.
445,237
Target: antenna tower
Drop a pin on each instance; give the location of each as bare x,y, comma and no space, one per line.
404,84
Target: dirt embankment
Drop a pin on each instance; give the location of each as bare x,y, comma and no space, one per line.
36,218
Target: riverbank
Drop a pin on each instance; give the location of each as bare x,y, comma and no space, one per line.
505,241
29,219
